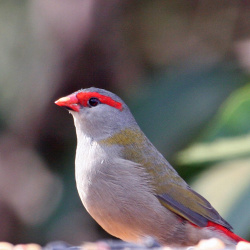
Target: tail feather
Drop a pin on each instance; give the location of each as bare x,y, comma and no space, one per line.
227,232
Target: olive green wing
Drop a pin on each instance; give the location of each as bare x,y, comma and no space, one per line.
190,205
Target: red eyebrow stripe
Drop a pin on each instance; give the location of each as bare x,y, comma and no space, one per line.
83,98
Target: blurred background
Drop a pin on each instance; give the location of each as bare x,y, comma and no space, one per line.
182,67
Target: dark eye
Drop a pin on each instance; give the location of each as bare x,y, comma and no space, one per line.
92,102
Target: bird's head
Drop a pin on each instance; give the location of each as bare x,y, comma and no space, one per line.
97,113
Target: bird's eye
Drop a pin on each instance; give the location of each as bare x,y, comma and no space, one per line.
92,102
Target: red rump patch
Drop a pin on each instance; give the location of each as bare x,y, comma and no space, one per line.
83,98
225,231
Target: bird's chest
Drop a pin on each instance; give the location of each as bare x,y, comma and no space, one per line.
87,164
93,182
98,193
106,193
96,188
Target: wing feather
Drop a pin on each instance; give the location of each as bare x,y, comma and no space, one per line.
190,205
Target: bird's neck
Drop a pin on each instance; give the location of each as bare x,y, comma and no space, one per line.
130,144
125,137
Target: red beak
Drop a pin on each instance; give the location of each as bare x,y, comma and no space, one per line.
70,102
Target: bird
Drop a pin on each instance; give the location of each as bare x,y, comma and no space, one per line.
127,185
